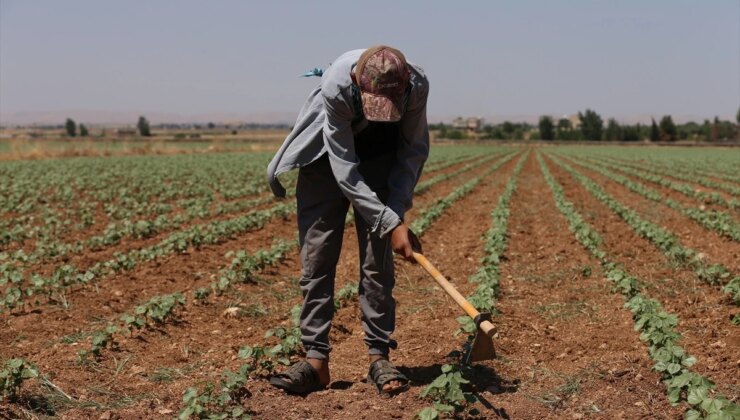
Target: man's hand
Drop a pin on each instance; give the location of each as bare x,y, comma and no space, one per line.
404,242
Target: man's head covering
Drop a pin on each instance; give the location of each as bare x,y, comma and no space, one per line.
382,75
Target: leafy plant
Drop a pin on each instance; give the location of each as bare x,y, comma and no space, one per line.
14,373
99,341
218,402
155,311
447,394
345,294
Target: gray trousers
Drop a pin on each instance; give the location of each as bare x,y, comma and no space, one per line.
322,209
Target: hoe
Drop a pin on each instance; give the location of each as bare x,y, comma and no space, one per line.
482,348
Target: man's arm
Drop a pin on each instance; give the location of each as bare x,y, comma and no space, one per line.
340,146
412,153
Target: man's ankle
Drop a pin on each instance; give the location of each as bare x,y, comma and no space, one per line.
317,363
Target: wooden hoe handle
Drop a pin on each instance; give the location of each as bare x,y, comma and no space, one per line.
488,328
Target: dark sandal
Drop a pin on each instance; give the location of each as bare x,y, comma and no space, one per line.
300,378
381,372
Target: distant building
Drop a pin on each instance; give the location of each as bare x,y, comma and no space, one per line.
471,125
575,122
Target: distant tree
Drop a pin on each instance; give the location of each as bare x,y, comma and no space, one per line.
143,126
70,127
689,130
667,129
613,131
508,128
547,128
706,129
498,134
83,131
591,125
211,126
737,116
564,129
654,132
630,132
492,132
455,135
725,130
442,131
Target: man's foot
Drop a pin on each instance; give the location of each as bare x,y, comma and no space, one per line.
303,377
322,367
386,377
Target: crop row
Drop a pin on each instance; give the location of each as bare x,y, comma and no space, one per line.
56,285
678,173
712,168
27,291
130,183
495,244
692,162
446,391
49,246
717,221
423,186
126,203
46,206
663,239
434,211
137,183
657,327
685,189
440,164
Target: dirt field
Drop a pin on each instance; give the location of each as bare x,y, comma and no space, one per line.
567,346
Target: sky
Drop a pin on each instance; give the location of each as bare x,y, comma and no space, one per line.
623,58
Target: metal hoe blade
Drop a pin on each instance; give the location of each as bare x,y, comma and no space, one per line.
482,348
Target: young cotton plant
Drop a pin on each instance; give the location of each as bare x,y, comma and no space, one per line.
12,376
100,340
156,311
243,266
345,294
218,402
265,358
448,396
153,313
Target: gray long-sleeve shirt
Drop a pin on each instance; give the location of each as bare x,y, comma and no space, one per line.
325,125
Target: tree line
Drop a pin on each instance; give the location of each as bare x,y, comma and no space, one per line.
71,127
589,125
